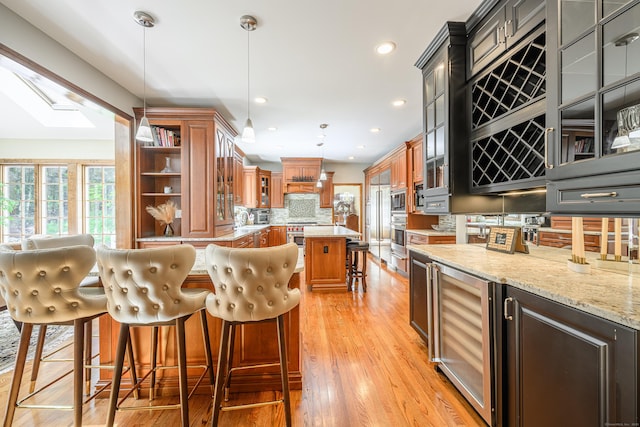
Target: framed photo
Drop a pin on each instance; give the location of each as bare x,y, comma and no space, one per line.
506,239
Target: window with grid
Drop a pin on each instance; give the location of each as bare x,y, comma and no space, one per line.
99,204
18,202
55,200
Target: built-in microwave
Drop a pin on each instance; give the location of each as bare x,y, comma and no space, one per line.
399,202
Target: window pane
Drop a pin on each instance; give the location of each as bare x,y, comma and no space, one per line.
99,204
55,215
18,208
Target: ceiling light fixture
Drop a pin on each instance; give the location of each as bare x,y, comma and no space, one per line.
144,129
385,48
399,102
248,23
260,100
272,129
323,174
375,130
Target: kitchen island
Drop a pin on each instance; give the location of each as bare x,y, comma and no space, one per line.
550,346
325,256
255,343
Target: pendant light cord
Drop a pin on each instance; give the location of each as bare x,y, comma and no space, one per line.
144,71
248,80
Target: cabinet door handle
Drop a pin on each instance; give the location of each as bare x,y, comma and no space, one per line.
507,316
508,28
546,148
597,195
498,36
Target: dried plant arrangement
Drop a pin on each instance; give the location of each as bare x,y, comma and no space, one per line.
165,214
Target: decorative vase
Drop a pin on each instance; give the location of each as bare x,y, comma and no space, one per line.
168,230
167,165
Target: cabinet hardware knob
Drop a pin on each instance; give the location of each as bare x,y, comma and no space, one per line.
546,148
597,195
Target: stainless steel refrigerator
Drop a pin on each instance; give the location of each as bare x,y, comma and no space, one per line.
378,216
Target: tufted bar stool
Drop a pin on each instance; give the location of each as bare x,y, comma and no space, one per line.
42,287
144,288
51,242
250,286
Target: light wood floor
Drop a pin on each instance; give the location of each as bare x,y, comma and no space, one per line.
363,365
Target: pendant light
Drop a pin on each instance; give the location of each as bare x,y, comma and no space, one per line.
144,129
248,23
323,174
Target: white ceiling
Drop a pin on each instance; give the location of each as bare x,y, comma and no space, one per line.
313,60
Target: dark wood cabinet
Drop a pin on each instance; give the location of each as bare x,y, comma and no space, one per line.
566,367
592,114
278,235
419,294
501,29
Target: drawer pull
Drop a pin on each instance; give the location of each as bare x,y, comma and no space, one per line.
597,195
546,148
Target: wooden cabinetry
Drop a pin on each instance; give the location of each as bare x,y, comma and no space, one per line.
278,235
277,195
300,174
600,105
257,187
247,241
562,240
238,182
189,166
589,224
325,263
399,170
415,162
264,237
431,239
566,367
502,29
326,192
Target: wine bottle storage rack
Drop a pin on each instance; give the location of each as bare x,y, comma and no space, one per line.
509,156
515,82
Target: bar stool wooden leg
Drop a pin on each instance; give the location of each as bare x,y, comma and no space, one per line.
154,362
223,360
37,357
207,348
88,349
21,358
284,370
123,338
78,368
364,271
182,371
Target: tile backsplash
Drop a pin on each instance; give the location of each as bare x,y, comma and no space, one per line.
301,208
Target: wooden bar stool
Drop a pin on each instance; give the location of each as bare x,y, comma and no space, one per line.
354,269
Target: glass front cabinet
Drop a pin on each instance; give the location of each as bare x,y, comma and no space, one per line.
593,108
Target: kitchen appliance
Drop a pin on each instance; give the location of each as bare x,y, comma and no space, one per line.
461,339
418,197
398,242
399,202
261,216
295,231
378,216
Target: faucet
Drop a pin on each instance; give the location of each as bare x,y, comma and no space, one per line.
242,218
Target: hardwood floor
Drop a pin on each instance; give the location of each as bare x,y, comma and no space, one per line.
363,365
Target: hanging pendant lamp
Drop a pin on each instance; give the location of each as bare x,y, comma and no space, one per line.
144,129
248,23
323,174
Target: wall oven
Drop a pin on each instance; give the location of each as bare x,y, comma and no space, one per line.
461,338
398,242
399,202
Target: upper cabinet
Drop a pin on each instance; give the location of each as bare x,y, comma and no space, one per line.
189,163
257,187
399,170
300,174
593,107
445,144
503,28
238,185
277,196
326,192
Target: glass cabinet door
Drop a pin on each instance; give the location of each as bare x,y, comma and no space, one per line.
435,111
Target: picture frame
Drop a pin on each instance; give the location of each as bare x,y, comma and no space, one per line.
507,239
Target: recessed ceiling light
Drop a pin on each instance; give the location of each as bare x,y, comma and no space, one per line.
375,130
399,102
385,48
272,128
351,157
260,100
360,146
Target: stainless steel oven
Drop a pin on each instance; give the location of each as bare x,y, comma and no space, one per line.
461,337
398,242
295,232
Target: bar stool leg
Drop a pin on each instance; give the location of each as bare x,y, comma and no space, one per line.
21,358
182,371
78,368
284,370
123,338
364,271
154,362
37,357
88,348
223,360
207,348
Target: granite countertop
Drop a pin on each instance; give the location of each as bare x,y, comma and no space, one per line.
237,234
199,266
432,232
613,295
329,231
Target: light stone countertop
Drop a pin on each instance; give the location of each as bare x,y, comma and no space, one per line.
237,234
199,266
328,231
608,294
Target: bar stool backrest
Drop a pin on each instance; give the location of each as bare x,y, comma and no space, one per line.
46,242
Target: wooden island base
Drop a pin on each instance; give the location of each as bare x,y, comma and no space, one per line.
254,344
324,263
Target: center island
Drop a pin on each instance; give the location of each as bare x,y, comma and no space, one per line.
325,255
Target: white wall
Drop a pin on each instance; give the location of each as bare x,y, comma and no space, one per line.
57,149
27,40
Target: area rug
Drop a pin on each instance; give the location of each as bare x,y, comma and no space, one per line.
10,338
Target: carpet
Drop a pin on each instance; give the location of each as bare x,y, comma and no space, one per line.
10,338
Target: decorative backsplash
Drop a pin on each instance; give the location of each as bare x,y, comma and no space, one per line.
301,208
